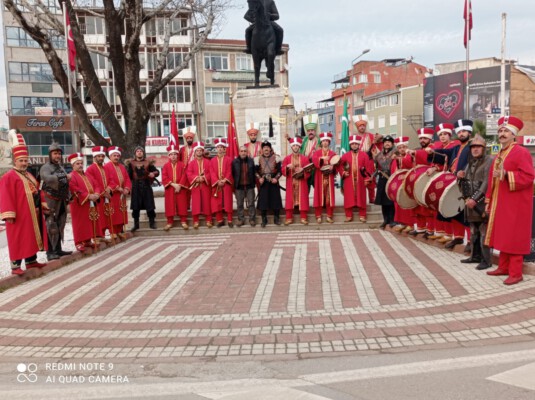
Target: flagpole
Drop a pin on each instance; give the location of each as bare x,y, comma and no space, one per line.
467,36
502,72
74,138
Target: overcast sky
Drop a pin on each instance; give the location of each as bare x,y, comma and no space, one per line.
326,35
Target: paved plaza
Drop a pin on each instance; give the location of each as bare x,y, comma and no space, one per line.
292,294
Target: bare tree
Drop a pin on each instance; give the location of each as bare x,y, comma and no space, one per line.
123,22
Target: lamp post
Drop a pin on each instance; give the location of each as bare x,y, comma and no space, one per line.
360,55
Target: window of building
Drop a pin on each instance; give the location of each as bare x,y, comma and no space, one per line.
358,98
216,61
17,37
244,62
363,78
176,93
90,25
38,142
217,95
381,102
369,106
157,27
174,59
217,129
182,120
30,72
393,119
394,99
371,123
99,126
381,120
376,77
26,105
98,60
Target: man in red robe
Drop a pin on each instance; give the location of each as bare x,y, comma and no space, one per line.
198,174
176,190
222,183
84,212
20,208
186,152
324,178
404,218
509,202
370,144
121,186
254,147
354,167
296,182
98,175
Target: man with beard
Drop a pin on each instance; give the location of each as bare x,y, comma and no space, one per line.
383,164
402,160
509,202
20,208
423,216
254,147
311,142
354,169
370,144
198,174
222,183
121,186
476,177
142,173
84,213
268,173
243,172
99,176
296,183
186,153
324,178
175,183
457,157
55,185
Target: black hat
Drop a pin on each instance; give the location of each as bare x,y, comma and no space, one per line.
463,125
388,138
266,144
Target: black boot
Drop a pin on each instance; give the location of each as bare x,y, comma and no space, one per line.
276,218
264,219
136,225
152,223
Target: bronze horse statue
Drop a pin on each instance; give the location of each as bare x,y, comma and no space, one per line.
263,41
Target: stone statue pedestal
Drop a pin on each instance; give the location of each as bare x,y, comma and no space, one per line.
257,105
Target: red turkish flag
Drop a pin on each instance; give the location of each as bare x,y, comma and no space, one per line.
70,43
232,136
174,130
468,22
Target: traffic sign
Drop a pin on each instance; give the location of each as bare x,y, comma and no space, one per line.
495,149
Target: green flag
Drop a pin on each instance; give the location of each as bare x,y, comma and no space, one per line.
344,142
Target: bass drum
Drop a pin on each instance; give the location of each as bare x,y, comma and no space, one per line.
420,186
395,190
412,177
443,194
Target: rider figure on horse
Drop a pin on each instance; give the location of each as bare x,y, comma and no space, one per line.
271,10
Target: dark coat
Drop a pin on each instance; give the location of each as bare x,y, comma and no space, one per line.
142,195
236,172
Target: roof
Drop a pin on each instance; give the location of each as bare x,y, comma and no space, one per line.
529,70
237,76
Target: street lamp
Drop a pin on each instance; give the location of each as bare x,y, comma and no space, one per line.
360,55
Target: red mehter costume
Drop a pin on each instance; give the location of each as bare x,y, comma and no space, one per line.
403,216
98,176
201,192
296,188
356,164
323,183
118,178
84,213
221,200
510,204
175,203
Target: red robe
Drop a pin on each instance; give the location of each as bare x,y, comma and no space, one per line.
221,168
118,179
24,236
296,189
253,149
185,155
511,202
175,203
323,184
200,193
99,177
354,184
402,215
84,213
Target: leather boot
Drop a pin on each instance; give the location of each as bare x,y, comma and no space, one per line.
152,223
264,221
276,219
136,225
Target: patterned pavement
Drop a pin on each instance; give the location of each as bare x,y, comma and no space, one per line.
269,294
